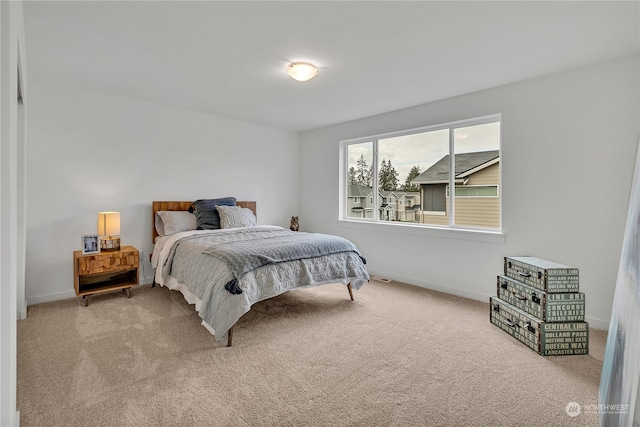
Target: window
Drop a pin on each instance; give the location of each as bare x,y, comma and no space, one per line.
412,169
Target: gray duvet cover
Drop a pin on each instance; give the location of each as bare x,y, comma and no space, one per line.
185,266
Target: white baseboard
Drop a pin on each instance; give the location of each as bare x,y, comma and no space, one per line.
593,322
22,310
50,297
602,325
39,299
440,288
146,280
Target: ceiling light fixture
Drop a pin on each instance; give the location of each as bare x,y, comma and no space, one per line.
302,71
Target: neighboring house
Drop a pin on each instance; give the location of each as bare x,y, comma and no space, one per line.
393,205
399,205
477,179
408,207
359,203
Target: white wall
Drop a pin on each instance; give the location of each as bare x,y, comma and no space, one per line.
91,151
568,145
12,121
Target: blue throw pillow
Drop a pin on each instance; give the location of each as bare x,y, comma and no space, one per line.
206,213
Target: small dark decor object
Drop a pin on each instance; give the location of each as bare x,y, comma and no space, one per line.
294,224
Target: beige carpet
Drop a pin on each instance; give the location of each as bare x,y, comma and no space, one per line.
397,356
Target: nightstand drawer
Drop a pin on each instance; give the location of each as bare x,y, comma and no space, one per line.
108,262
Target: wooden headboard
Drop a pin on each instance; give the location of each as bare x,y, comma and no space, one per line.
184,206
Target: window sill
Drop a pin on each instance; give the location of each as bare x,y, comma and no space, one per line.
425,230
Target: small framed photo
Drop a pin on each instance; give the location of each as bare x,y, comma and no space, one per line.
90,244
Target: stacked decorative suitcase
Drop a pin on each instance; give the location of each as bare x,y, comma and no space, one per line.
538,303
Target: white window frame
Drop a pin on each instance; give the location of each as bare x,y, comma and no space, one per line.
451,230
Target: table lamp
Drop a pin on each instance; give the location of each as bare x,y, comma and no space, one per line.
109,226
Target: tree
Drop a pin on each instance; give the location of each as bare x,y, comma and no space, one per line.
362,172
413,173
387,176
351,175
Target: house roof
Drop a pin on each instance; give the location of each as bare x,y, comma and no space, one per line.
387,193
466,163
355,190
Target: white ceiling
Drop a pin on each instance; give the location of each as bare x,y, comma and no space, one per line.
230,58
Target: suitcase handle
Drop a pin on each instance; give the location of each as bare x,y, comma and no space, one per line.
520,297
520,273
509,323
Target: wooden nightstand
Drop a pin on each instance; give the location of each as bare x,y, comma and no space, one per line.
106,271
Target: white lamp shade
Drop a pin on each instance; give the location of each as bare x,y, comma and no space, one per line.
302,71
108,223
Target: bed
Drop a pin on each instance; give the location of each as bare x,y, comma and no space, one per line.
234,263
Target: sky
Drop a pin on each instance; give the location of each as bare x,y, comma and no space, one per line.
426,148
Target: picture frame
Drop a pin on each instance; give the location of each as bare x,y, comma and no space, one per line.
90,244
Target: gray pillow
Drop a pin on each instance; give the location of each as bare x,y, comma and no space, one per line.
206,213
170,222
233,217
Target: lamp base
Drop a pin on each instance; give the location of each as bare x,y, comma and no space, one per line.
109,244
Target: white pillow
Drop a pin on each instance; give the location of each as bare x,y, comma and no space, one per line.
232,217
171,222
251,217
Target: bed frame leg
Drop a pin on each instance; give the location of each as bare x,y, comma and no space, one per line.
350,291
230,337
